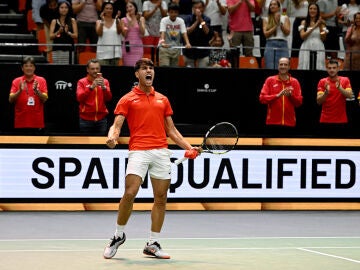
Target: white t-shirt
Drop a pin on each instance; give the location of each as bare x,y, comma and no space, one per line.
173,30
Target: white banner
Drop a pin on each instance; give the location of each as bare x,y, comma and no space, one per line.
239,174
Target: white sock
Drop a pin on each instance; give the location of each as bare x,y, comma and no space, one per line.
119,230
154,237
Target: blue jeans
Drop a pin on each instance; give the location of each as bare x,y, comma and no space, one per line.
274,50
93,127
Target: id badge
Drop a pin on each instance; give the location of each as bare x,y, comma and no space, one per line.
31,101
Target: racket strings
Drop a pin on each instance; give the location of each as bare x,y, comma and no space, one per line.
221,138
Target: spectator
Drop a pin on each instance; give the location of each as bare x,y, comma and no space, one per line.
120,5
92,93
63,30
329,10
172,28
199,33
86,12
216,10
313,32
35,6
185,7
240,24
332,93
276,28
48,12
282,94
219,56
108,50
352,39
29,93
133,28
153,12
346,17
297,11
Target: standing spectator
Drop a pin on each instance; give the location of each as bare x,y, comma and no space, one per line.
133,27
199,33
35,7
276,28
216,10
282,94
29,93
86,12
172,28
313,32
332,93
185,7
92,93
48,12
297,11
329,11
149,117
63,30
153,12
108,49
120,5
240,24
352,39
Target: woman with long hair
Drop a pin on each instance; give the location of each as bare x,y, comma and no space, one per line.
276,28
108,29
352,39
133,29
313,33
63,31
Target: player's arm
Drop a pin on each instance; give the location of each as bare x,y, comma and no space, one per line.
175,135
114,131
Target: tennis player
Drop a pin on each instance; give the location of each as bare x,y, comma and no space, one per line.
148,114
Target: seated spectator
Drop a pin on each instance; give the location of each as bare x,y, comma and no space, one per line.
133,29
276,28
108,50
219,57
172,28
63,30
313,32
199,33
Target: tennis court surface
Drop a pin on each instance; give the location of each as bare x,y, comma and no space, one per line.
195,240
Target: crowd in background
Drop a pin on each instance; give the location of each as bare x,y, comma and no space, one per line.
119,31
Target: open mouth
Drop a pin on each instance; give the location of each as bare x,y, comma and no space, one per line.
148,77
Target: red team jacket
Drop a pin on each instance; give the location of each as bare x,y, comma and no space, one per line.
281,111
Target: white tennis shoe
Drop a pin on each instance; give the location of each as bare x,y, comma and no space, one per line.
155,250
111,248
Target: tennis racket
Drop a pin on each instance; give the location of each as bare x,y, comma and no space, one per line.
219,139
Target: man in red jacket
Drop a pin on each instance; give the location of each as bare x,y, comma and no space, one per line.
92,93
282,94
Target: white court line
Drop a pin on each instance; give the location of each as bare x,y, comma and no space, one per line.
329,255
175,249
184,238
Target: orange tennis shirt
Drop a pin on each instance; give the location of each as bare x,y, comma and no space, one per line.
145,115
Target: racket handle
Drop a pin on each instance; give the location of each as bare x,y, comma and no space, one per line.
180,160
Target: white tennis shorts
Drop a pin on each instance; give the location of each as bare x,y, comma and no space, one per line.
156,161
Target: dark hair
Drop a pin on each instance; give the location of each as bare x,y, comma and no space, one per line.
143,62
28,59
307,20
333,61
105,3
194,2
93,60
173,6
70,13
